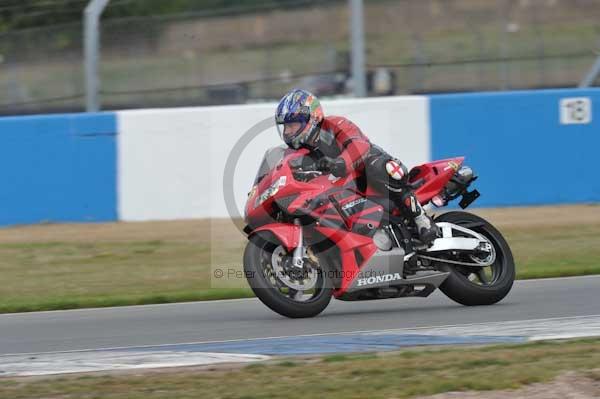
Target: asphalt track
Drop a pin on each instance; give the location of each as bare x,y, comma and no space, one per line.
207,322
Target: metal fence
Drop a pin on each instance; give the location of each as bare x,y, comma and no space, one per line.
238,56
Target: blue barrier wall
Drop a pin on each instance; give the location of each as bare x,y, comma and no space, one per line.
516,143
58,168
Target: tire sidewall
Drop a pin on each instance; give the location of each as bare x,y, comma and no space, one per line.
268,295
458,288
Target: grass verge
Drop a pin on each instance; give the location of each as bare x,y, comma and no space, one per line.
405,374
49,267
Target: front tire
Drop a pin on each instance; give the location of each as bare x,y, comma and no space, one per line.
463,285
257,252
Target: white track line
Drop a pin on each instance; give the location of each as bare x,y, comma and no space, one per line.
107,361
537,280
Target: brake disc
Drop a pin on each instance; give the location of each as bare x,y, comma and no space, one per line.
489,259
309,273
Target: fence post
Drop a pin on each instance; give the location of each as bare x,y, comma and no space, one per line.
91,43
357,36
504,46
591,76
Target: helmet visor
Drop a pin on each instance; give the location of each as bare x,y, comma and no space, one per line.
290,125
290,132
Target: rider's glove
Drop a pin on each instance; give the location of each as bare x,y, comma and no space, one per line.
336,166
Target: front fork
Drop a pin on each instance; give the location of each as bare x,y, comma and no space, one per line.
300,250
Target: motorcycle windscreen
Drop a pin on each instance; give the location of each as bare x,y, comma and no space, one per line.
271,158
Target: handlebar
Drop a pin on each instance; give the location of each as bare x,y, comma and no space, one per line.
305,175
304,168
307,172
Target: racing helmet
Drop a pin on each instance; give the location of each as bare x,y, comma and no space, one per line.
298,117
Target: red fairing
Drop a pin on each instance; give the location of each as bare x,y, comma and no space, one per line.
288,234
347,244
339,211
436,175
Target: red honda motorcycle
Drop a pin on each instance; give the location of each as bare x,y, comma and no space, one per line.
313,236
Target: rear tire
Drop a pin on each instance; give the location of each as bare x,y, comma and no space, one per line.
256,249
458,287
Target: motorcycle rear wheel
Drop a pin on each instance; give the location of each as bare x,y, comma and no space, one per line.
272,291
473,286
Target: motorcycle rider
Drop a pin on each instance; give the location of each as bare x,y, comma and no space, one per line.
339,145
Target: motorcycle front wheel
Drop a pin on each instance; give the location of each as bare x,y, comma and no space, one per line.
285,289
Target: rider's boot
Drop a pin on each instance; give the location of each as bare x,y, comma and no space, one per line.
426,227
428,230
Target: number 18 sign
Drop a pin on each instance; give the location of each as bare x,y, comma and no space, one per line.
576,110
